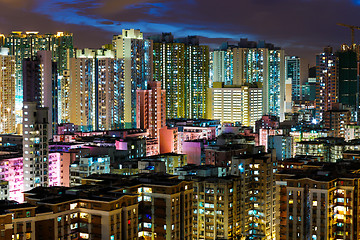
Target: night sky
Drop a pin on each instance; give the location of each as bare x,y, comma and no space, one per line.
301,27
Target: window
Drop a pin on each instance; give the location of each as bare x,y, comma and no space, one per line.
73,226
84,235
147,225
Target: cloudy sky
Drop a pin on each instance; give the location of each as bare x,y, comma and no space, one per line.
301,27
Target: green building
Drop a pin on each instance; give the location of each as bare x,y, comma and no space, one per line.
347,77
182,65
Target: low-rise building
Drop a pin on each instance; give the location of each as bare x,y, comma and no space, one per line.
319,203
86,166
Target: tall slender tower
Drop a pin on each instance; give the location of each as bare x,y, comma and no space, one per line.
7,92
348,79
136,53
293,75
326,82
40,84
35,146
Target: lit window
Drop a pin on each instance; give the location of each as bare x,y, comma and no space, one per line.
147,225
73,226
84,215
84,235
147,190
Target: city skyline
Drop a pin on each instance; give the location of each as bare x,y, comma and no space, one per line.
94,22
179,120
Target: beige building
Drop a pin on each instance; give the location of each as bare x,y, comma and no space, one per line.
95,90
318,204
165,204
71,213
258,193
216,207
232,104
7,93
136,54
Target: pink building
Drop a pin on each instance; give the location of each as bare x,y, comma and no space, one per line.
264,136
195,133
193,151
268,122
152,147
169,140
59,172
64,138
11,170
66,128
150,108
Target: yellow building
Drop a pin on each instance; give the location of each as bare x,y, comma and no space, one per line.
7,94
233,104
23,45
183,68
217,208
258,193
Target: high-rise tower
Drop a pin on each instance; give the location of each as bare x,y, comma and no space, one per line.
348,79
293,75
136,54
326,82
35,146
26,45
7,93
254,62
182,65
40,85
96,90
151,111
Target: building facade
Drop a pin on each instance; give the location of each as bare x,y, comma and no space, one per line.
136,54
7,93
216,207
26,45
151,108
317,206
182,66
293,74
326,82
258,219
251,62
40,85
35,146
232,104
96,90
